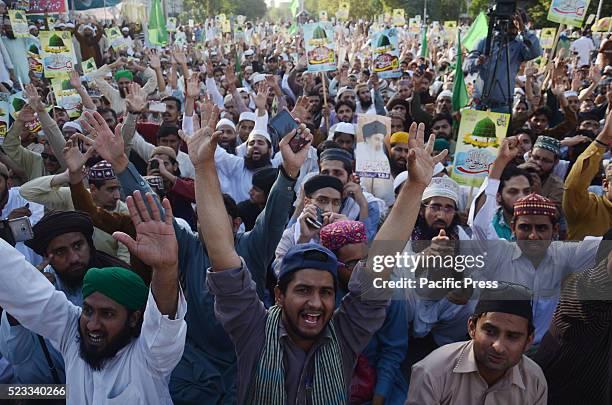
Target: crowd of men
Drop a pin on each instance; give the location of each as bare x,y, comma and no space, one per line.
183,252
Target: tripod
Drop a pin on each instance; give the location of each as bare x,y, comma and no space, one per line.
499,37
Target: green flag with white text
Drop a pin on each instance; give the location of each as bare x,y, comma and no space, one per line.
460,96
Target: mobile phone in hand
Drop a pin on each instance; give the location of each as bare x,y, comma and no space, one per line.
283,123
154,164
318,223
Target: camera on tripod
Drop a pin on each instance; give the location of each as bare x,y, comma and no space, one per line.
502,10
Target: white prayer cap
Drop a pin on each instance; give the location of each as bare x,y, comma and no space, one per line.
399,180
225,121
442,187
31,27
259,133
343,90
445,93
73,125
125,29
249,52
570,93
242,90
345,127
522,79
518,90
247,116
228,98
60,25
88,26
438,168
257,77
70,25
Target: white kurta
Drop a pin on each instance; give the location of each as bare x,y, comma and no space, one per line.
15,200
138,374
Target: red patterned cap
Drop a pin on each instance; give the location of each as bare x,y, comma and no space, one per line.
535,204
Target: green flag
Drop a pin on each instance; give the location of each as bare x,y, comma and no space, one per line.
158,33
460,95
424,50
294,7
478,31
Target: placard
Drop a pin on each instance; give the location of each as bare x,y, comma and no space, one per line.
320,47
385,54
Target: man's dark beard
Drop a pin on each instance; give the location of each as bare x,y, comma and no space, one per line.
97,359
257,164
365,104
396,168
230,147
427,233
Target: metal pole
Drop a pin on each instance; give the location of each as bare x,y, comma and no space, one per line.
598,10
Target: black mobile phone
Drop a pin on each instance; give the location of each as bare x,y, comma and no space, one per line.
318,223
154,164
283,123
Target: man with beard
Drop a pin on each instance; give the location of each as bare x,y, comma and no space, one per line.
365,104
127,339
398,152
545,155
534,260
344,111
17,51
587,213
320,344
227,140
123,78
34,164
65,240
89,37
492,366
105,191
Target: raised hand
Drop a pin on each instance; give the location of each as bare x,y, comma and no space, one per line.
26,114
73,156
154,60
300,110
203,143
509,149
33,98
155,242
293,161
110,146
261,99
135,99
420,162
230,76
75,79
594,74
192,88
179,55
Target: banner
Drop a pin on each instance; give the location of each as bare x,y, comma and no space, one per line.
66,96
89,66
4,114
48,6
480,134
171,26
320,47
89,4
34,60
414,26
343,10
570,13
16,103
385,54
115,38
547,37
370,158
19,23
398,18
602,25
57,54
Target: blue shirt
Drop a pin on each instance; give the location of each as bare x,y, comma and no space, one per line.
521,49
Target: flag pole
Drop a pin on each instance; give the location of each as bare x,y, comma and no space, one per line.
323,81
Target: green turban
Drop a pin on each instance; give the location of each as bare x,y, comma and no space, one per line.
124,73
121,285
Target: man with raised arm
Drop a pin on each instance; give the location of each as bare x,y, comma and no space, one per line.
126,340
301,349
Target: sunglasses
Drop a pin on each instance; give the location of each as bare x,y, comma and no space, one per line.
47,156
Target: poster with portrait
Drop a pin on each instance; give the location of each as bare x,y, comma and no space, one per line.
171,24
19,23
547,37
568,12
398,18
343,10
370,158
57,54
385,54
4,115
480,134
66,96
320,47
